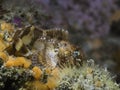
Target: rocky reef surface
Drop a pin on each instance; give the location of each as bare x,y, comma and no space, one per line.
32,58
36,56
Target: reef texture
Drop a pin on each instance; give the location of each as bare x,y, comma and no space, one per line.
89,17
32,58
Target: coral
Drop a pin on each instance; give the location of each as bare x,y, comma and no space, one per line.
7,26
88,77
2,45
36,72
39,59
41,84
37,85
51,83
18,62
9,63
21,61
13,78
86,16
48,71
4,56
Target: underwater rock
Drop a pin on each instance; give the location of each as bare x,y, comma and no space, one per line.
32,58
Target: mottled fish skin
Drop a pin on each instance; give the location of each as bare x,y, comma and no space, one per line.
47,48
